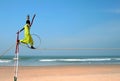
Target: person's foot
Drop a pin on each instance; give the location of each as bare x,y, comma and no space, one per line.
18,41
32,47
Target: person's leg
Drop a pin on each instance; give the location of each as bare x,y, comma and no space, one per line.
31,42
24,41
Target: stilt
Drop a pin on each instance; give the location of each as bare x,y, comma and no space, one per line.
15,78
16,58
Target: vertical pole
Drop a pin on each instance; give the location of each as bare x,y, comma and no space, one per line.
17,44
16,57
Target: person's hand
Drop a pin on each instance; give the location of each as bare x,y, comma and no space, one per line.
18,32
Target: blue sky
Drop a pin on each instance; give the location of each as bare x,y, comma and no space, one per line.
63,23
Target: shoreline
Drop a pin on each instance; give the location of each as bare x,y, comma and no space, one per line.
62,73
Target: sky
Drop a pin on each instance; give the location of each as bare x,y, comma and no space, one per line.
63,23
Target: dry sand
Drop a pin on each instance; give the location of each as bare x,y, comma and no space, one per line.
63,73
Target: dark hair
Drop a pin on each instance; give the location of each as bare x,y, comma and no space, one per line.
27,21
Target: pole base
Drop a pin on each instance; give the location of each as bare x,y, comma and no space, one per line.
15,78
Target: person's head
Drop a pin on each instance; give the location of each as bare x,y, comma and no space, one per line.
28,22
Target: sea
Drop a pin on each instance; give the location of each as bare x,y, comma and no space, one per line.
62,58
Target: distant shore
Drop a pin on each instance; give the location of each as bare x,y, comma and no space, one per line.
62,73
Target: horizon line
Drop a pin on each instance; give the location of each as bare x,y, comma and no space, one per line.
77,49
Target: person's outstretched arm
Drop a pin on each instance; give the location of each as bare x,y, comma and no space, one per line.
32,20
20,30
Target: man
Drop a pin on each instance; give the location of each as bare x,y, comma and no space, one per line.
27,36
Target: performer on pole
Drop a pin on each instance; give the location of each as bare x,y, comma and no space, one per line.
27,36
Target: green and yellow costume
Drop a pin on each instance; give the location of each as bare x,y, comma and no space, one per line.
27,36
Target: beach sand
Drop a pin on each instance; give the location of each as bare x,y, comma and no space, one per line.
63,73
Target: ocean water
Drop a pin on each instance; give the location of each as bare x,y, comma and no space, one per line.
59,60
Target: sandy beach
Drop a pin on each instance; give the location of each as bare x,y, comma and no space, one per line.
63,73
